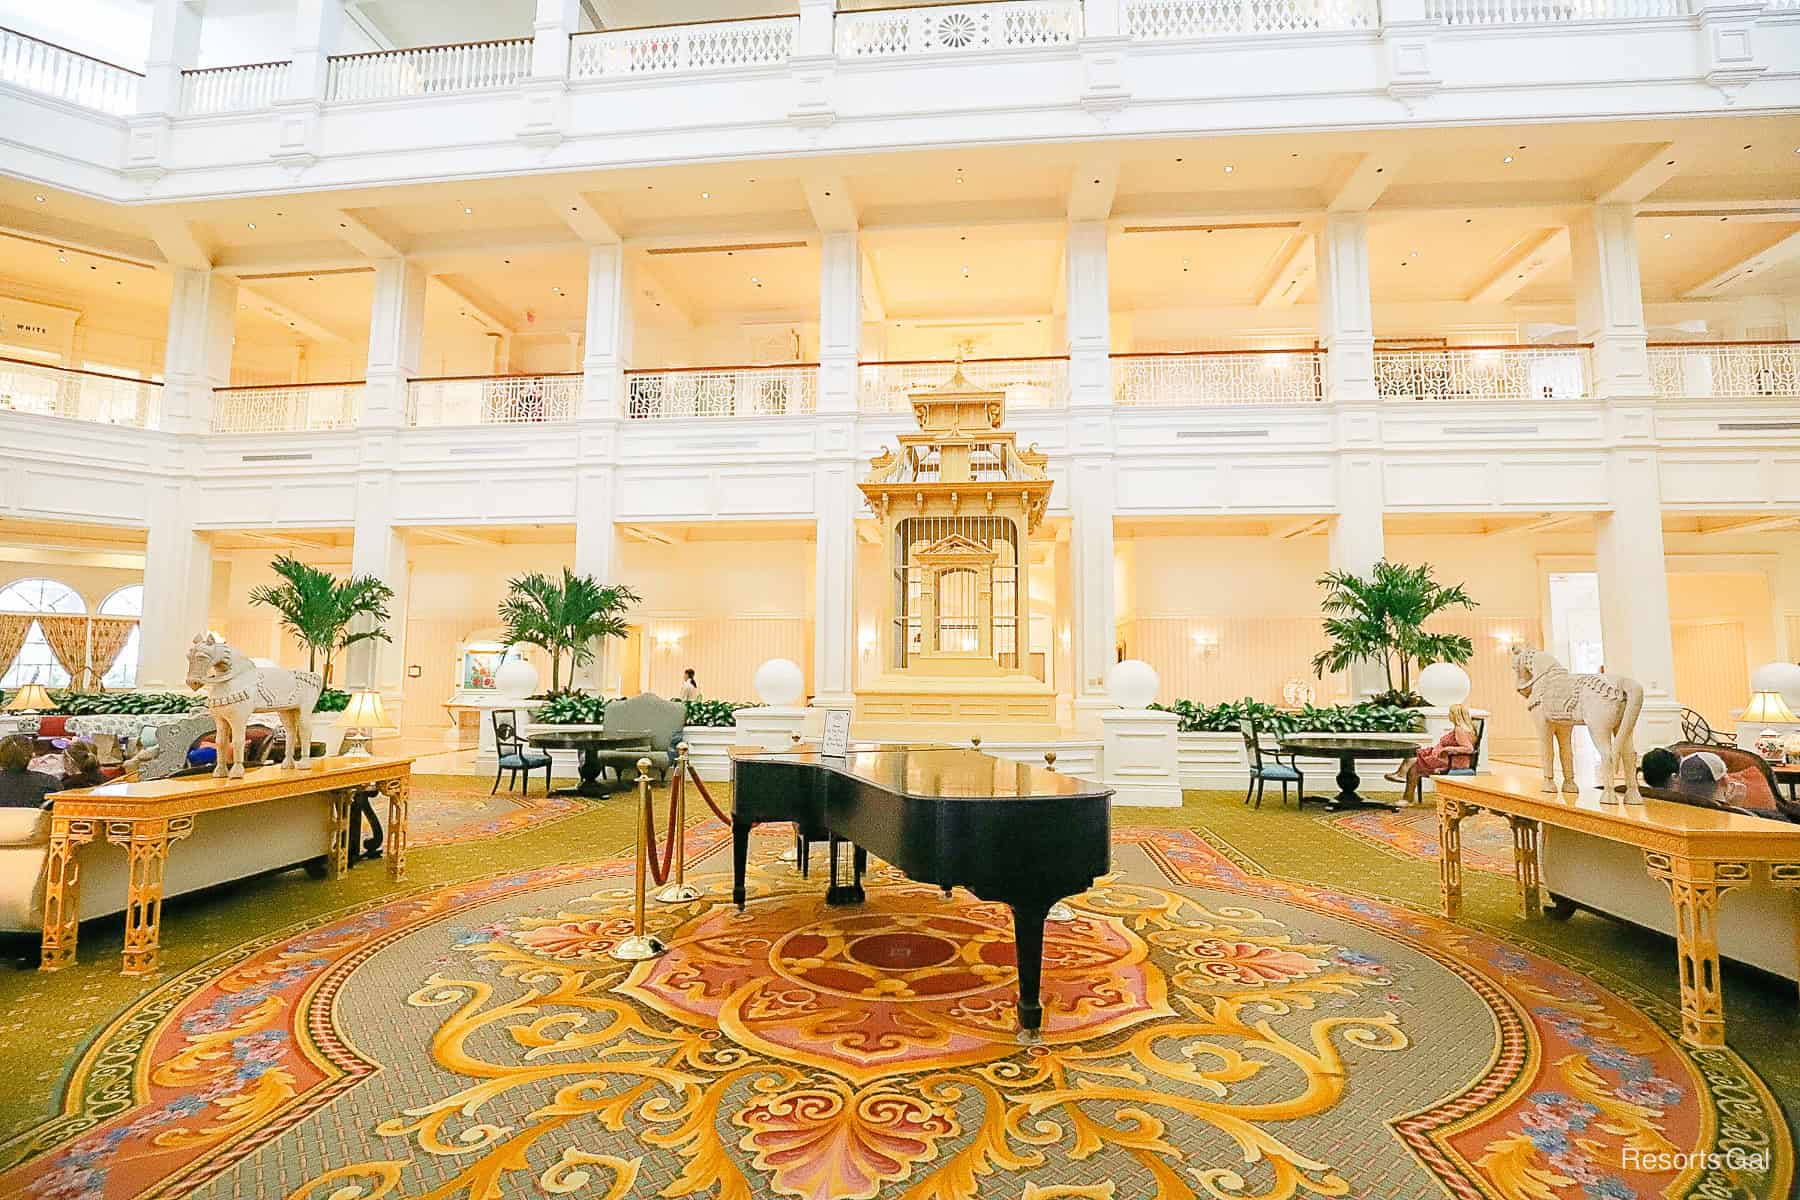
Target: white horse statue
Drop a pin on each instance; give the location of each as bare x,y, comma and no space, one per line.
1558,701
236,687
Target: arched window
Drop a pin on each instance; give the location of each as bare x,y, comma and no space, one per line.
128,601
36,663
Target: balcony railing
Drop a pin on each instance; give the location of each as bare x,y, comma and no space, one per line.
722,392
1478,373
1729,370
1027,382
958,28
232,89
1219,377
667,49
1548,12
1182,20
428,70
301,406
78,395
493,400
53,71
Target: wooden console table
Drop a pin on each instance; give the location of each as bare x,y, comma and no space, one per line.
145,819
1699,853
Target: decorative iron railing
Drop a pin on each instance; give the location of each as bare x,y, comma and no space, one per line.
1219,377
1180,20
232,89
666,49
53,70
722,392
77,395
955,28
1730,370
301,406
1548,12
493,400
1483,373
1027,382
428,70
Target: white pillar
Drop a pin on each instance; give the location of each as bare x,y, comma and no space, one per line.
396,329
177,589
1140,757
1609,302
818,33
197,354
596,554
1357,544
1089,319
174,47
1092,489
840,321
378,548
1346,320
555,22
609,332
834,586
316,30
1634,593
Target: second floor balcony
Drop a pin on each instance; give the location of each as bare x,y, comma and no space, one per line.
77,395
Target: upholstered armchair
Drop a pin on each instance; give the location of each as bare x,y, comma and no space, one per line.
659,720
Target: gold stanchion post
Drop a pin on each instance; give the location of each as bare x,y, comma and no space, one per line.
1058,911
642,944
678,890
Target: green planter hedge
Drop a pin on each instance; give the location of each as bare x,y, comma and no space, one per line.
578,708
1337,718
144,704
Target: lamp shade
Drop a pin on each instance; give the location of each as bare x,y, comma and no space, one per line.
779,682
1443,684
1132,683
1770,708
30,698
364,712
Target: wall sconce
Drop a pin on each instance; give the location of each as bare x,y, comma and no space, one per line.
668,639
1063,637
866,642
1505,640
1205,644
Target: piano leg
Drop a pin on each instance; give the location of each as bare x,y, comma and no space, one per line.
1028,946
844,893
740,858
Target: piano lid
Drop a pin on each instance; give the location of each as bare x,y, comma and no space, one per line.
935,772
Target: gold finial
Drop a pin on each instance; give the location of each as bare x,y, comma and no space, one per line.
1050,760
795,737
975,741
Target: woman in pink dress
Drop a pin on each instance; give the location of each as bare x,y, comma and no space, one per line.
1455,749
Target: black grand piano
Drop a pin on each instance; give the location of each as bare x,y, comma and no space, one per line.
1009,832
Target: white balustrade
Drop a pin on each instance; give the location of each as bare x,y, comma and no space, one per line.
78,395
1218,378
493,400
1180,20
232,89
951,28
1548,12
662,50
722,392
1729,370
287,409
53,71
428,70
1483,373
1027,382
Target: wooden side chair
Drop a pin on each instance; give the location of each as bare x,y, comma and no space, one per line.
1264,772
515,754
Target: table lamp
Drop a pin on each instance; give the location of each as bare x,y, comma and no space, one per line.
361,718
32,698
1770,707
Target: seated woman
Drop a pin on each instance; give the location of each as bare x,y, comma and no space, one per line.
81,766
1455,749
21,787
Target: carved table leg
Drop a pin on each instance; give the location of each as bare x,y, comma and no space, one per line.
1528,867
1450,818
62,891
1787,875
337,859
146,844
398,791
1694,889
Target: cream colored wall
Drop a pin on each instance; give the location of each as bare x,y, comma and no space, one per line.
94,580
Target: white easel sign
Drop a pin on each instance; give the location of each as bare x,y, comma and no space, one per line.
837,733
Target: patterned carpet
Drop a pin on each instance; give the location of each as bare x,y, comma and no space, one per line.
1413,833
1211,1031
447,817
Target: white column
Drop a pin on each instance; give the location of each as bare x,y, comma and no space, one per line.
834,586
316,29
1092,496
840,321
177,589
174,47
609,332
197,354
1609,303
596,554
818,33
396,329
1634,593
1346,320
1357,544
556,21
378,548
1089,316
813,65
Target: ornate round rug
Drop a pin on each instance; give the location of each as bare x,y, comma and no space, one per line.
1413,833
1209,1032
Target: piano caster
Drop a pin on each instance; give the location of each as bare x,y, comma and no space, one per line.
676,893
1030,1037
947,896
640,948
1060,912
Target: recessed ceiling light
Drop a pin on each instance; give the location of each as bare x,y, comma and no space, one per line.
468,212
343,224
1746,145
1667,236
62,258
291,325
118,283
253,224
507,261
1179,160
573,208
1229,168
754,279
1670,163
1414,254
1507,159
40,199
706,195
281,214
1403,262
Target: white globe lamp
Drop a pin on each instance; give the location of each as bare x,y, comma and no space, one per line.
1133,683
1783,677
516,679
779,682
1443,684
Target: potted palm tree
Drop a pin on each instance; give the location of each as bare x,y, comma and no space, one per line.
319,609
1381,618
565,616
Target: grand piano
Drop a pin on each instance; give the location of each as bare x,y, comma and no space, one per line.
1009,832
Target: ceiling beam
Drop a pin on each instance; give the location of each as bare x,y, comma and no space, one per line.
462,537
589,223
653,536
1756,524
1362,183
1523,261
290,541
1306,527
299,321
652,288
1632,181
72,235
178,240
363,231
481,308
1293,265
833,207
1543,524
370,28
1764,260
1092,190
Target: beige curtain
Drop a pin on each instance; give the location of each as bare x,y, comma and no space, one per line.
110,636
13,628
68,641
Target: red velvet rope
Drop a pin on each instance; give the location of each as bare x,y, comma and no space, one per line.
660,873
